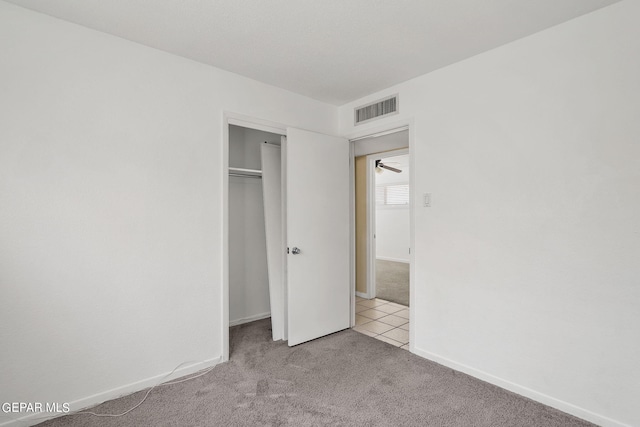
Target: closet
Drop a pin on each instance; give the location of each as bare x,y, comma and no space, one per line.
250,297
283,195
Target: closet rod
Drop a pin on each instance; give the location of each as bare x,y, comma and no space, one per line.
243,170
253,173
244,175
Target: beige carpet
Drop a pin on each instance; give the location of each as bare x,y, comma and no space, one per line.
345,379
392,281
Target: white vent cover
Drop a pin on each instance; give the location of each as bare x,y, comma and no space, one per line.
377,109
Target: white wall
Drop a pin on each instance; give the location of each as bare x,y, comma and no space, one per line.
526,265
111,175
248,275
392,222
392,233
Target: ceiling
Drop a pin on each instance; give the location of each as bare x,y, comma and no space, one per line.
331,50
381,143
400,162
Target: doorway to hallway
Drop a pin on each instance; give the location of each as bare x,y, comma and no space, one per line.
391,231
382,249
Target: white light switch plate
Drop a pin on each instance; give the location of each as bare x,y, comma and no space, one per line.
427,200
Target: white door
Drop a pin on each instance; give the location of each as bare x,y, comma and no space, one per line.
271,191
317,199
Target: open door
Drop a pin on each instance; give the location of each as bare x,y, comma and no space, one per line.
272,192
317,201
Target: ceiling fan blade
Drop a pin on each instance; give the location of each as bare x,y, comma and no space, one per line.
382,165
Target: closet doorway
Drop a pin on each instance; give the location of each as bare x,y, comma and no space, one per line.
249,296
304,236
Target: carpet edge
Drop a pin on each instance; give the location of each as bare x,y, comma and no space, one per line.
537,396
114,393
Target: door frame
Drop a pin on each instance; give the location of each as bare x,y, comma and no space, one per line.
230,118
371,216
368,132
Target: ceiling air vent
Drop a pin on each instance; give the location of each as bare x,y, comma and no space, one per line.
376,110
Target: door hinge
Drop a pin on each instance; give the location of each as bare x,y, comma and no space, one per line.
287,249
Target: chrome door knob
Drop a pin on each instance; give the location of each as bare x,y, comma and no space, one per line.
295,250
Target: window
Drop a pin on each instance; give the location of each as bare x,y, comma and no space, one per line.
392,195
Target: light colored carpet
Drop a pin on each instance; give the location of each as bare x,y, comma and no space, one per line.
392,281
345,379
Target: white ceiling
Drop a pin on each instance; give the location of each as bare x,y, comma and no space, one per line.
331,50
379,144
399,162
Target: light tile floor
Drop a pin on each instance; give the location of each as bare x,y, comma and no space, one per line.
383,320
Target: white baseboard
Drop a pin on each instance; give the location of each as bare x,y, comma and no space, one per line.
384,258
563,406
363,295
249,319
98,398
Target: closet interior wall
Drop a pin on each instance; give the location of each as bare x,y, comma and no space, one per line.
248,276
